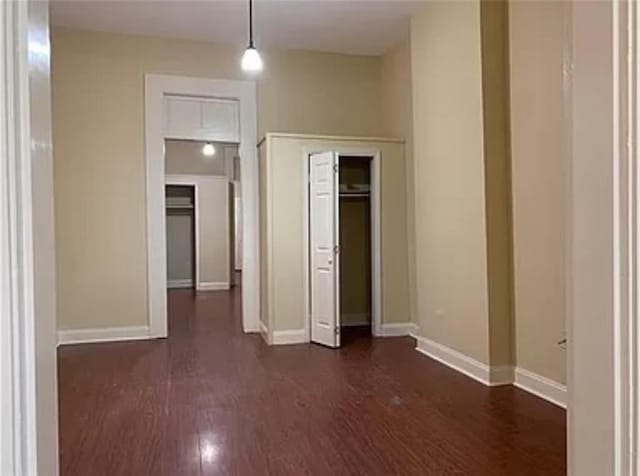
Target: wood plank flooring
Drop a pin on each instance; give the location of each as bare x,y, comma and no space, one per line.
210,400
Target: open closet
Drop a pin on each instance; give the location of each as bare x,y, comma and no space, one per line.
340,238
354,225
180,220
333,234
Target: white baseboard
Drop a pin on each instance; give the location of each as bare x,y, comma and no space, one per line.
107,334
264,332
179,283
251,329
491,376
289,337
501,375
214,286
397,329
543,387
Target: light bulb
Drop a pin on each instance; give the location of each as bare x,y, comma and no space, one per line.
251,60
208,150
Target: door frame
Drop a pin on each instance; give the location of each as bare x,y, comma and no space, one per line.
157,87
28,363
376,258
604,229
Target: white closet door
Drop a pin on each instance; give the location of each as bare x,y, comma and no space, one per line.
323,240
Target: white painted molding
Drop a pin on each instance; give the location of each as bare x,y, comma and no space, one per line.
330,138
156,88
398,329
223,286
542,387
107,334
28,375
501,375
264,331
298,336
493,376
464,364
179,283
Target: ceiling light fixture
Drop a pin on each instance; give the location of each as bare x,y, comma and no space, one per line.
208,150
251,60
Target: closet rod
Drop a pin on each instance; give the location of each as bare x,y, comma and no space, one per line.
353,195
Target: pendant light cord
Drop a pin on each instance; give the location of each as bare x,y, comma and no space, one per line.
251,24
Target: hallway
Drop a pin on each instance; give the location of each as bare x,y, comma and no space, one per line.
210,400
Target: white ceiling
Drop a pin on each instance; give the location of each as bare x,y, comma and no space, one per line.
367,27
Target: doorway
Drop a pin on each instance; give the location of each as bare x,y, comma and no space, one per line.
354,247
200,109
181,246
343,247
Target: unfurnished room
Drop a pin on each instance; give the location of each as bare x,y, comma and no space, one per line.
324,237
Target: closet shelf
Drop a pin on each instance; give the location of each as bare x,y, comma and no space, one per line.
354,189
180,206
353,194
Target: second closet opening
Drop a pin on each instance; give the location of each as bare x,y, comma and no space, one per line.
354,208
180,227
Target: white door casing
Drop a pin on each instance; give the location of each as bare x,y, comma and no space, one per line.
323,239
28,365
157,88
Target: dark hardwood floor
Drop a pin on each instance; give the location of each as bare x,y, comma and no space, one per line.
210,400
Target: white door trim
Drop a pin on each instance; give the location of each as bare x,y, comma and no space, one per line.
626,20
603,272
17,344
376,259
156,88
28,395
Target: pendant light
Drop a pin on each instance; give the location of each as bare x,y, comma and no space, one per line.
208,150
251,60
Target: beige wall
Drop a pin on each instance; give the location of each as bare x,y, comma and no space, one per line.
540,160
397,121
283,226
484,89
185,157
98,126
497,177
214,231
451,245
